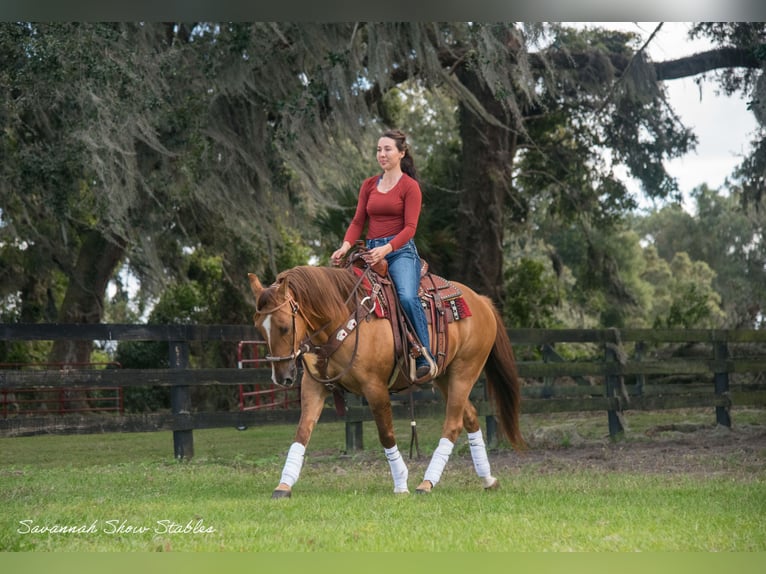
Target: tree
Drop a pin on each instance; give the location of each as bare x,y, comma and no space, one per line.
737,65
124,144
50,213
596,91
692,302
643,289
726,237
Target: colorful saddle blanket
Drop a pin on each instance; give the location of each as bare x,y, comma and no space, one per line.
432,288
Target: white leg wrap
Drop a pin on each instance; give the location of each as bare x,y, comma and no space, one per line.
293,464
479,456
399,470
439,461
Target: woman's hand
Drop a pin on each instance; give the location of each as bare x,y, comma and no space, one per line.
339,253
376,255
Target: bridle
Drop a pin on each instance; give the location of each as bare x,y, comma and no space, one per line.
324,351
295,309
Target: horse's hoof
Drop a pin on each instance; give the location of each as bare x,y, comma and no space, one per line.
404,491
494,486
424,487
281,494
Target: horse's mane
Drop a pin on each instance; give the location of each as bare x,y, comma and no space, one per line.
322,292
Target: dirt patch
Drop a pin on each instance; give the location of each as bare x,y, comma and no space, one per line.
684,449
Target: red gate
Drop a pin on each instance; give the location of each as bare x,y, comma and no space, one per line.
64,400
259,395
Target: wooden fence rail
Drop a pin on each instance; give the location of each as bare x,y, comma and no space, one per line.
627,371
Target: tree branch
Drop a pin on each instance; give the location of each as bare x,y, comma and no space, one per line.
707,61
667,70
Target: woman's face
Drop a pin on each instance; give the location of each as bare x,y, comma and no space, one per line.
388,154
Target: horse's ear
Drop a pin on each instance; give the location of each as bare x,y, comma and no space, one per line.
255,284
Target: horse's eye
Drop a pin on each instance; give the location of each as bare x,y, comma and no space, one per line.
283,330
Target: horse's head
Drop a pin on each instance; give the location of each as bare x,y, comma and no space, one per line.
275,318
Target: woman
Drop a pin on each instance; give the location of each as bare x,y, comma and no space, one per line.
390,205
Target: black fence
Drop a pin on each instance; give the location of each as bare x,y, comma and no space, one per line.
632,369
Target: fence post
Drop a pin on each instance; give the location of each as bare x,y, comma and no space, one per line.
640,379
354,427
492,436
721,383
180,404
354,436
548,355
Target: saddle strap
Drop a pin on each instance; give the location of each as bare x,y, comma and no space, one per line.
439,323
402,336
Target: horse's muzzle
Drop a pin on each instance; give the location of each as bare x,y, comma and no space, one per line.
284,372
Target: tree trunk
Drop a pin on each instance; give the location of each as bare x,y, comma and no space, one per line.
487,159
84,303
84,299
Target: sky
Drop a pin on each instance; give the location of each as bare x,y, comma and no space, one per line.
723,125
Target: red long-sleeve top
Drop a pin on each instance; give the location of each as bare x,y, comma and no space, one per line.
395,212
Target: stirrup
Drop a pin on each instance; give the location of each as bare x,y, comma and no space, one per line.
433,370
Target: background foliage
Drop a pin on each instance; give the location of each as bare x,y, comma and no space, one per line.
147,167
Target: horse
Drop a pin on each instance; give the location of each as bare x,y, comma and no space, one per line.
308,305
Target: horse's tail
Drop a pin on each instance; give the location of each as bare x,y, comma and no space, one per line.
504,385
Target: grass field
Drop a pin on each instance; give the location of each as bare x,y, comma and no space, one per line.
124,492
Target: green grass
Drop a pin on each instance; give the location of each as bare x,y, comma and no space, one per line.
345,502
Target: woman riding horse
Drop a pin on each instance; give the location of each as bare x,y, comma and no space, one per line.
310,309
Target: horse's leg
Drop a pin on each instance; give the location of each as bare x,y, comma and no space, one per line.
380,405
456,391
450,431
478,448
313,396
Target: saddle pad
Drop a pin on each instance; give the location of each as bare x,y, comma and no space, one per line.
456,309
451,296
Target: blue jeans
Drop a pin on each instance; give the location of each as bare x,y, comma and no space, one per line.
404,268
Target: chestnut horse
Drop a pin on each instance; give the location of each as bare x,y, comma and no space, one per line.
309,304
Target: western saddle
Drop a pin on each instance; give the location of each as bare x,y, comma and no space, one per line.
442,302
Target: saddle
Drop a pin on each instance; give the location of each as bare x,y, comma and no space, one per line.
436,292
442,302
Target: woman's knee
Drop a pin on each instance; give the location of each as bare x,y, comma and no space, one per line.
412,306
410,301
